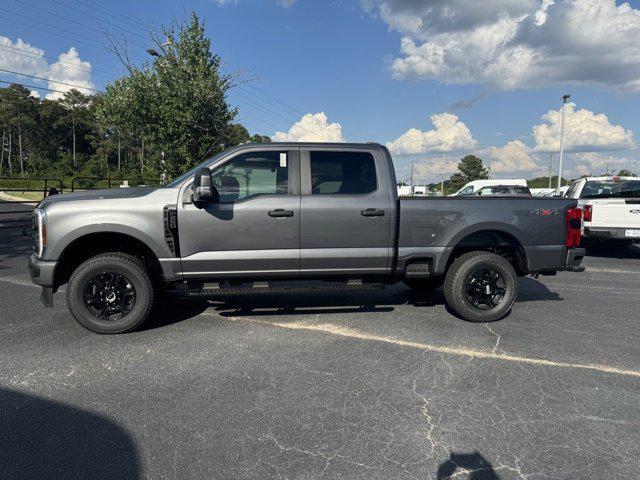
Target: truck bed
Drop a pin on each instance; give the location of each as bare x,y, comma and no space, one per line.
434,226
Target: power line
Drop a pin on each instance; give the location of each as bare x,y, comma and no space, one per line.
32,86
260,95
70,65
67,19
49,80
56,29
107,11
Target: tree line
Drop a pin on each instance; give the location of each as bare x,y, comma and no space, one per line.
162,118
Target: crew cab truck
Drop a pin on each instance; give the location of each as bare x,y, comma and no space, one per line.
257,214
611,208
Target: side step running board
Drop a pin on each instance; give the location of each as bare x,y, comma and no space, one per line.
209,289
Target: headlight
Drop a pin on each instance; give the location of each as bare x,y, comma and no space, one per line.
39,231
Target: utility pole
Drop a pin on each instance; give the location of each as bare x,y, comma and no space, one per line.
442,182
550,168
411,181
565,98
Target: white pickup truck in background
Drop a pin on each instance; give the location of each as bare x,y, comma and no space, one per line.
611,208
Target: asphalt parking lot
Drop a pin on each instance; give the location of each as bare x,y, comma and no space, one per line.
382,384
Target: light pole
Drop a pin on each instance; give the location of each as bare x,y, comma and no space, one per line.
442,184
565,98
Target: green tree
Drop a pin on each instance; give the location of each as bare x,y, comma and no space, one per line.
76,106
470,168
176,106
626,173
543,182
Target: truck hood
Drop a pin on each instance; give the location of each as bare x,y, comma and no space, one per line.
113,193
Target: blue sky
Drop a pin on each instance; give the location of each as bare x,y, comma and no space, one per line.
368,68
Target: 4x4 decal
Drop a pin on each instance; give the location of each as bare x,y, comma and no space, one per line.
543,212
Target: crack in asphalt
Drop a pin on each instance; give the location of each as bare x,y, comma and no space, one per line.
458,351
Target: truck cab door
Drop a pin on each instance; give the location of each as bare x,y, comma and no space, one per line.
254,228
348,212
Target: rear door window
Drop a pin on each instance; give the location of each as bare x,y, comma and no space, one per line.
342,173
611,189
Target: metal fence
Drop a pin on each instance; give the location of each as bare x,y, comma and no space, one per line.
10,208
94,183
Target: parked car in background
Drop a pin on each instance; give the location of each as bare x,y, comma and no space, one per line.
505,190
412,190
548,192
611,208
475,186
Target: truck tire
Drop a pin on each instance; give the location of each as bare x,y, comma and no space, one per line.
423,284
110,293
481,286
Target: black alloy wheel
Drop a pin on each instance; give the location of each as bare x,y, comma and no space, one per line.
485,288
109,296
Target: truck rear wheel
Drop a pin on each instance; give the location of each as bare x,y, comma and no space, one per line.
110,293
481,286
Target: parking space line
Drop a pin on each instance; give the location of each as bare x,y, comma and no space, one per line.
457,351
17,281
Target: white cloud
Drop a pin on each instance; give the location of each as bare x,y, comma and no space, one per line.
312,128
430,168
449,134
72,70
514,157
22,57
34,94
26,59
596,163
516,43
584,131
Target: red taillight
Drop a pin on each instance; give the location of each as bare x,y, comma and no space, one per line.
574,217
587,212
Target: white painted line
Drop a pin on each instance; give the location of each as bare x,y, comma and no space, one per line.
457,351
611,270
17,281
24,283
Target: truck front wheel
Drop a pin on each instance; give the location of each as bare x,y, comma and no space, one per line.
110,293
481,286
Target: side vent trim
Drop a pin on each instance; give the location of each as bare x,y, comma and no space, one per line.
170,217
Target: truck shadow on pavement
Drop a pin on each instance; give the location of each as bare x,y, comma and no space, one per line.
40,438
612,251
380,301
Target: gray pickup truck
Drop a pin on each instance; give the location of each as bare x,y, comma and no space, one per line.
259,214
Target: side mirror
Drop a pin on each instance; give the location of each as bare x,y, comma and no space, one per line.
203,190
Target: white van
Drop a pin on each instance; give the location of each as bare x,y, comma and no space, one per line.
475,186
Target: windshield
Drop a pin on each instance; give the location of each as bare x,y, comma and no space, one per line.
176,183
611,189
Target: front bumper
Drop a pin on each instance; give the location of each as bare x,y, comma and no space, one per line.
574,259
42,273
609,233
